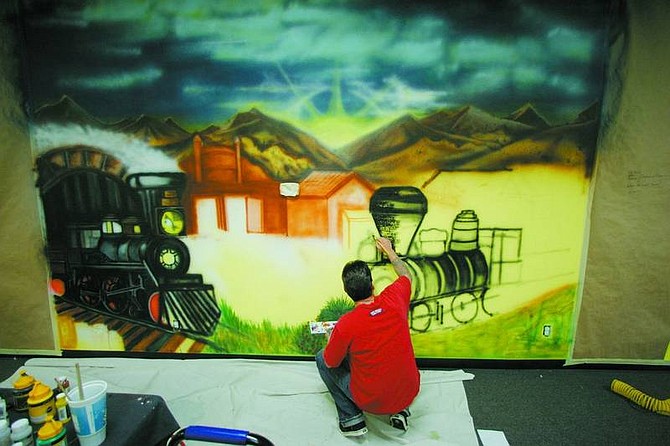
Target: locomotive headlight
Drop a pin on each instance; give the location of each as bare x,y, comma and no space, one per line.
172,222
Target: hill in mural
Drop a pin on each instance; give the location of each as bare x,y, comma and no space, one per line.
469,138
65,111
165,135
397,137
568,145
474,122
284,151
464,138
526,114
590,114
153,130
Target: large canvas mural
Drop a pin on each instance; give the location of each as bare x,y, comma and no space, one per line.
206,168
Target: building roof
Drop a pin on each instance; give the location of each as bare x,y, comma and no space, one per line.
325,183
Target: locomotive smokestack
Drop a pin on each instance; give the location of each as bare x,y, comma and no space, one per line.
398,213
465,232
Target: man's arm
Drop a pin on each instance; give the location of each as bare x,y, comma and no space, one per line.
334,350
400,267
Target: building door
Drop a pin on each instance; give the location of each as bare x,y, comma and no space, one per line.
243,215
207,216
254,215
236,215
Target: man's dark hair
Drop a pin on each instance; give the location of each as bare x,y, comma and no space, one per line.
357,280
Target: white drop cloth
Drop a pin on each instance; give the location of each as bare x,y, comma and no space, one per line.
285,401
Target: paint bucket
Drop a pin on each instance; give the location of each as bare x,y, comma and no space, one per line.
52,434
41,403
22,387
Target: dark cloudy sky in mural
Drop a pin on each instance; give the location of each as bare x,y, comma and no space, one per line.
313,62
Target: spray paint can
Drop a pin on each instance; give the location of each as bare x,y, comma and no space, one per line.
22,387
3,409
22,432
5,433
52,434
62,409
41,403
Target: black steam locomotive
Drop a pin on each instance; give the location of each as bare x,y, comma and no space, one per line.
456,276
113,242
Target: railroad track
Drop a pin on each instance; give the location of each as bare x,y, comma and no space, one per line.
136,337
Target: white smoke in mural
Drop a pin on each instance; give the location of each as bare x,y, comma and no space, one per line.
135,154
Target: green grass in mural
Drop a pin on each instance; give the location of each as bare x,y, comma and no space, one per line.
233,335
310,344
519,334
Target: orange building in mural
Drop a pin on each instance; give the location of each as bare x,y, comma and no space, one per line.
319,210
228,192
221,179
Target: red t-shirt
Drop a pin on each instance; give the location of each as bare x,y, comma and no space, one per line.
384,376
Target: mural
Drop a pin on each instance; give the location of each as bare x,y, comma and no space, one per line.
206,168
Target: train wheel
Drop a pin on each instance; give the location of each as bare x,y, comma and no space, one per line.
420,317
135,308
136,312
116,303
464,307
89,289
481,297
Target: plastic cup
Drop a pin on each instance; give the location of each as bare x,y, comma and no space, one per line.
89,414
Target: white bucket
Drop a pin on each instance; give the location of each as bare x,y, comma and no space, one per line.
89,414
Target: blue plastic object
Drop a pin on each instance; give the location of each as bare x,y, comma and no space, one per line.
212,434
216,434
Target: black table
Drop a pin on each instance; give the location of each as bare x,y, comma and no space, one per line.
132,419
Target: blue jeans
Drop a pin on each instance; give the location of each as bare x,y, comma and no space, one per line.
337,381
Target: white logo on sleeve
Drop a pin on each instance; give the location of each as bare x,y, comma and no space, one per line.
375,312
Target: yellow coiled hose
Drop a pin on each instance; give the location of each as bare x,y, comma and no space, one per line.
640,398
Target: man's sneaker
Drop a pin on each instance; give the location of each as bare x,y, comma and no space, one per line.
399,420
355,430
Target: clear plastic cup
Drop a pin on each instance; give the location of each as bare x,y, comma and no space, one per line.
89,414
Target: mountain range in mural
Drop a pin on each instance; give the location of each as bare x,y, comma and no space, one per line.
465,138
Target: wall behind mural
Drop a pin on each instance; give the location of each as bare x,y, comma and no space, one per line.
205,169
624,314
25,312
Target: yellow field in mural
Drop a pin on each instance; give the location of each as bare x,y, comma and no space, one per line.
548,204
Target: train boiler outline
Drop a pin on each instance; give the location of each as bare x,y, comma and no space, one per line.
454,276
113,242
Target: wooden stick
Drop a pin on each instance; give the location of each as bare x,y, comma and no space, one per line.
79,384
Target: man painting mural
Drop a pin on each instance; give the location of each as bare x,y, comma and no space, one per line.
368,363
